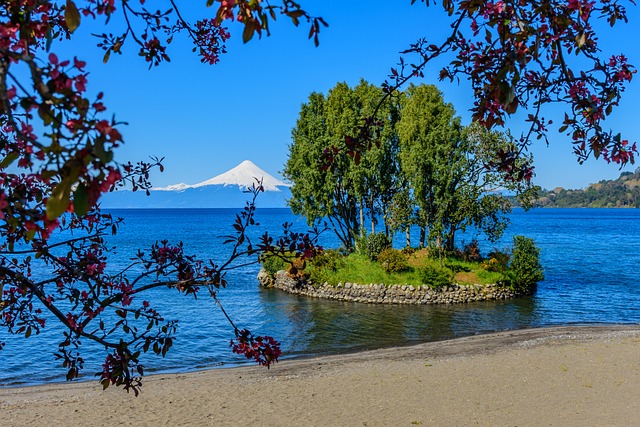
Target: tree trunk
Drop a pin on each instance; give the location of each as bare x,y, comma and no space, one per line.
373,217
361,219
423,236
387,232
450,243
407,234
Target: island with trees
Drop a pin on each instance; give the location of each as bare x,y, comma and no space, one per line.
425,170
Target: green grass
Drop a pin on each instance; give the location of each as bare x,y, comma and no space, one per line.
488,277
357,268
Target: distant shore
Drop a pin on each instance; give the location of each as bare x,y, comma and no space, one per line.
576,375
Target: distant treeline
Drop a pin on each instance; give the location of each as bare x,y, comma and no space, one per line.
623,192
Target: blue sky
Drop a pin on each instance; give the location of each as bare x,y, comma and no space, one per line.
206,119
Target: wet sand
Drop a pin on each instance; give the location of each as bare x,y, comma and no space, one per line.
561,376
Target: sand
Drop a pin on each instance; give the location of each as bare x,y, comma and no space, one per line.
565,376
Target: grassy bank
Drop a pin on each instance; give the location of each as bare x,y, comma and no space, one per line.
420,269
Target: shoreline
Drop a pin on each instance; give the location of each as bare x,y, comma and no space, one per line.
560,375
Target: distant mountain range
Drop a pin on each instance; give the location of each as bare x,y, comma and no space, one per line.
227,190
623,192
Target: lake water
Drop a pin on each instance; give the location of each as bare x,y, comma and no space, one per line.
590,257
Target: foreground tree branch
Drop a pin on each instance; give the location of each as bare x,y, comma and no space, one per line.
525,55
56,160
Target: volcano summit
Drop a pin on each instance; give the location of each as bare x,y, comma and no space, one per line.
227,190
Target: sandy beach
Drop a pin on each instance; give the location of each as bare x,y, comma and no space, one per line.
554,376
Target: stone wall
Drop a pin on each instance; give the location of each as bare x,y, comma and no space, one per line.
394,294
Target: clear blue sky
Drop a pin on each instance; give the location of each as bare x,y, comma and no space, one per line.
205,119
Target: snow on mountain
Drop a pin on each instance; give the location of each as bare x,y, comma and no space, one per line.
244,176
223,191
174,187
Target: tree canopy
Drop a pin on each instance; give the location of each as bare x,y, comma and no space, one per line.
343,194
427,169
526,56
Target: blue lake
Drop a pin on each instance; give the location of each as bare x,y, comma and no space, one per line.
590,257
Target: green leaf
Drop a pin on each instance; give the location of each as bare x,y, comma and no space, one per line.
49,39
104,155
29,235
72,16
81,200
10,158
45,114
59,200
247,34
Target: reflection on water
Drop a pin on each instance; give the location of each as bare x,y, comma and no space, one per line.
321,326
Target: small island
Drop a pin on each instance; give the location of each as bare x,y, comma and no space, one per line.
422,169
379,274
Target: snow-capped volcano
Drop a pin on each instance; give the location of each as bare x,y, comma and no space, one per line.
226,190
244,175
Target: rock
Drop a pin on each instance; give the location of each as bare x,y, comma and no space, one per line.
379,293
265,279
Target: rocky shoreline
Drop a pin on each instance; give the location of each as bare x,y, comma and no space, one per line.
393,294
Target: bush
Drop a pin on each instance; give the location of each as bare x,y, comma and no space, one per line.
525,268
273,264
497,261
393,261
327,260
408,250
371,245
471,252
293,266
435,277
324,264
297,267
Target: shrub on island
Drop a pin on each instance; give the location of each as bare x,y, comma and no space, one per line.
525,270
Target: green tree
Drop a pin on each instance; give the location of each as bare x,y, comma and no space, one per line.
349,190
402,213
478,195
428,131
316,193
525,268
446,166
377,173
